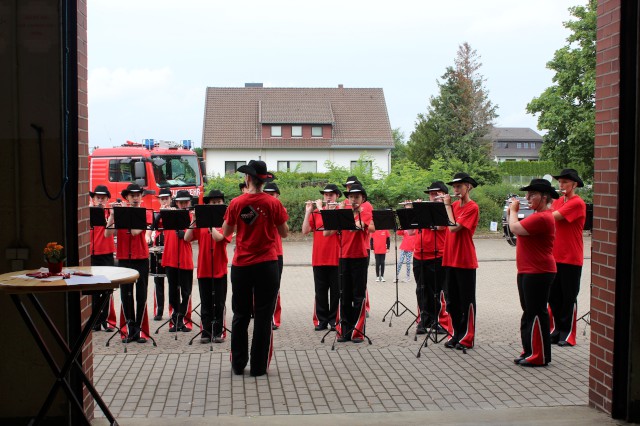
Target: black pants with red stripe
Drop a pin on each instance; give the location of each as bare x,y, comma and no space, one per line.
101,260
430,282
563,301
354,293
254,286
213,296
135,315
534,325
180,286
325,279
461,284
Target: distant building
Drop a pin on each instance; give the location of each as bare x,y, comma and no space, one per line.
295,128
515,144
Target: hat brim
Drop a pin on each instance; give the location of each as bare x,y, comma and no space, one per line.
248,170
93,194
574,178
329,191
364,193
125,193
470,180
541,188
206,200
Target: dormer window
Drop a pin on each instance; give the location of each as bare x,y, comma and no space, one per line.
296,131
276,131
316,131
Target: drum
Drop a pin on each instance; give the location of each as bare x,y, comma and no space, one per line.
155,262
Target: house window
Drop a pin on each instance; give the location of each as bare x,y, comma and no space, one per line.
316,131
276,131
533,145
519,145
526,145
231,167
368,165
298,166
296,131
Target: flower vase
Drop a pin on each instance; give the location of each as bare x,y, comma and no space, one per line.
54,268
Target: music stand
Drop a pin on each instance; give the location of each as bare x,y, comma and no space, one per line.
427,215
96,217
174,220
339,220
129,218
386,219
210,216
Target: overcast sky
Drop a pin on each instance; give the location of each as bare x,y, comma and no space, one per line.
150,61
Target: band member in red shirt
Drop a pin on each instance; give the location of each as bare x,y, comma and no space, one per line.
158,241
381,243
460,260
212,270
353,266
270,188
536,270
133,252
570,213
256,218
324,259
428,270
102,249
177,260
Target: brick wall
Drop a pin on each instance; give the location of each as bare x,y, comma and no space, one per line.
83,186
603,261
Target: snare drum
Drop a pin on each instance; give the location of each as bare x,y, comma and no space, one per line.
155,262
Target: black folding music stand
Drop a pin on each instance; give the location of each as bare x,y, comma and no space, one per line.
210,216
96,217
339,220
427,215
174,220
386,219
129,218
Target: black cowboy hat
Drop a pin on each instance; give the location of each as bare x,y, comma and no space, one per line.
541,185
437,186
352,180
570,174
132,187
271,187
182,195
100,190
164,192
214,193
356,188
331,188
257,169
463,177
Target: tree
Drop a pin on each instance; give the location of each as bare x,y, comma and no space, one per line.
458,119
399,151
567,108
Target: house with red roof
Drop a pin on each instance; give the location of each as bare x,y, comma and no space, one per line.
295,129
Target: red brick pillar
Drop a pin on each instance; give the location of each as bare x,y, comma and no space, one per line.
605,190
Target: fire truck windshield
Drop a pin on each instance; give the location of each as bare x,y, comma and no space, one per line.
176,170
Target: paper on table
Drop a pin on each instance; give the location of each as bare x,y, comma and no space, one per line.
94,279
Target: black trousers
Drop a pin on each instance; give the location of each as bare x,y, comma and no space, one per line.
135,315
533,290
101,260
325,280
253,286
563,300
354,293
380,264
430,282
180,285
159,287
213,296
461,284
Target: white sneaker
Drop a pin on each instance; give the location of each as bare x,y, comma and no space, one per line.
383,280
377,279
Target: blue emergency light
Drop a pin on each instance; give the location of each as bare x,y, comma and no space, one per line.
149,143
186,143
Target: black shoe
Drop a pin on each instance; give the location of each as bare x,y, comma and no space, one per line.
96,327
158,317
343,339
129,339
218,339
517,360
257,373
450,344
460,347
142,340
185,329
563,343
321,327
205,340
173,329
554,338
237,370
357,340
274,327
525,363
421,330
107,327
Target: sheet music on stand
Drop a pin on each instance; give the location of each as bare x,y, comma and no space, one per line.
130,218
423,215
384,219
96,217
338,220
175,219
210,215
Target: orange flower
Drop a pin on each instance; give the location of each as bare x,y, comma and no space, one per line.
53,253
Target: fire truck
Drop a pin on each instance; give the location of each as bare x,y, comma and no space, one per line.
153,165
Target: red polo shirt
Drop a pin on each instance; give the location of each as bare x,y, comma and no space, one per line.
355,243
534,252
429,244
325,249
459,250
219,255
569,247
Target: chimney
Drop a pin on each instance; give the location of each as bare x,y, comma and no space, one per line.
253,85
340,86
